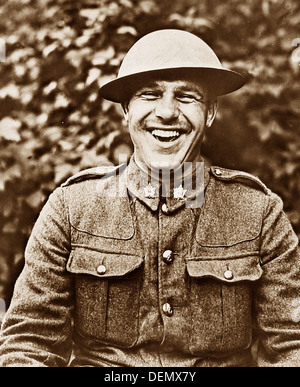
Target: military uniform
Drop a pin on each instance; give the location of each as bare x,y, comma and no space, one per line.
123,278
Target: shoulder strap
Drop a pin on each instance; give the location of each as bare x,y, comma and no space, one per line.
239,176
92,173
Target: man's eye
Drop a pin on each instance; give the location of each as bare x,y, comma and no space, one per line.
149,95
187,98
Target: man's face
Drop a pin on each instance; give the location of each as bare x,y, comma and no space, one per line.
166,121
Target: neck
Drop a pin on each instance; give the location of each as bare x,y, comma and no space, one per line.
170,178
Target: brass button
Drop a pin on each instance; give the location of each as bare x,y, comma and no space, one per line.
167,309
168,256
101,269
164,208
228,274
218,172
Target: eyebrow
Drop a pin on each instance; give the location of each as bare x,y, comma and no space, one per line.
190,87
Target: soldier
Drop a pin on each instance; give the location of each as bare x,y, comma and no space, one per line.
128,267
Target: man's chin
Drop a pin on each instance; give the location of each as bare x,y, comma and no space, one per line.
165,165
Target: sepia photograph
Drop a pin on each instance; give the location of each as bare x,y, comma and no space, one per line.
149,186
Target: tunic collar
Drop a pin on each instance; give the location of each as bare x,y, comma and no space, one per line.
175,192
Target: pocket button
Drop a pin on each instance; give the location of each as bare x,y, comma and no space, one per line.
228,274
164,208
101,269
168,256
168,310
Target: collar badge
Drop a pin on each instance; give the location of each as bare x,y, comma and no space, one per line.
150,191
179,193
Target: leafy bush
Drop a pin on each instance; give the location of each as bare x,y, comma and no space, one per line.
53,123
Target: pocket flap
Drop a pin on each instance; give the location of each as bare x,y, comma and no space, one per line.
101,264
228,270
231,214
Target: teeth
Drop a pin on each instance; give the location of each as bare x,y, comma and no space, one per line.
165,133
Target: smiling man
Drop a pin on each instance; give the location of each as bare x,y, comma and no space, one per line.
121,269
167,121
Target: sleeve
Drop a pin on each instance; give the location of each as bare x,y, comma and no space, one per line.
277,300
36,330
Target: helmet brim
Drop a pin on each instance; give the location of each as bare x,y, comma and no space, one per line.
218,81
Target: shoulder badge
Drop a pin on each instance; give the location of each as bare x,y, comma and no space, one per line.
92,173
239,176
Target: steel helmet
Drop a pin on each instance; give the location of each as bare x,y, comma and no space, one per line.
170,52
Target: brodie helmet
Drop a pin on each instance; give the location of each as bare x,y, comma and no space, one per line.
171,52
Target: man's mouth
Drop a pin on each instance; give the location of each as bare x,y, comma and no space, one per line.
165,135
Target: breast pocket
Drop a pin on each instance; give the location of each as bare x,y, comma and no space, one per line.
107,295
221,300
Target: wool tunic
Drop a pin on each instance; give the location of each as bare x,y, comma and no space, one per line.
117,275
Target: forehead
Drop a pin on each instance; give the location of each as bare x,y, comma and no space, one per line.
173,84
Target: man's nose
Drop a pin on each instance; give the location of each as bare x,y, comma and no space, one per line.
167,108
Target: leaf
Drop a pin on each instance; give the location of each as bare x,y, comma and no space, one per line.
62,172
103,56
148,7
9,129
10,90
35,200
50,87
53,133
49,49
93,75
10,174
10,227
90,13
61,101
127,30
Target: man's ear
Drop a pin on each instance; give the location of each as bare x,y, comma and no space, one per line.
125,111
212,109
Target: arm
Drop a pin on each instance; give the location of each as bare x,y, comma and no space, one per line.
37,328
278,290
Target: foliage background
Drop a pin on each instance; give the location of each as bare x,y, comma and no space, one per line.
53,124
